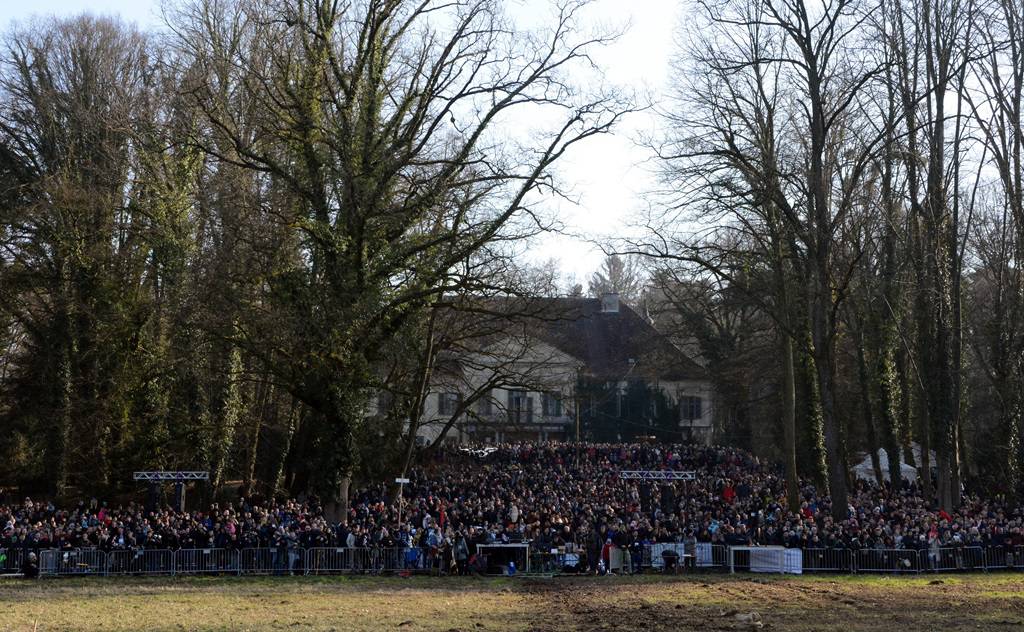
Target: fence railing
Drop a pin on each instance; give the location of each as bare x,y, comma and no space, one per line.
1004,557
202,561
11,560
944,559
337,560
340,560
140,562
704,555
78,562
888,561
272,561
828,560
556,563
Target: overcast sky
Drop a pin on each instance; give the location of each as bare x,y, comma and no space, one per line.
606,174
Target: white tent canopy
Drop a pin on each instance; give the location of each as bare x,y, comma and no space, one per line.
864,471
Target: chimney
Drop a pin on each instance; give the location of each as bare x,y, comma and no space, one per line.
610,303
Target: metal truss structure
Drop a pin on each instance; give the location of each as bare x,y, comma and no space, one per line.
171,476
657,475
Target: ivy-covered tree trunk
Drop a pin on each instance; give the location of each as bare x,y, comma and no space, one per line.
264,396
58,446
924,359
812,426
886,314
227,410
341,409
277,479
906,407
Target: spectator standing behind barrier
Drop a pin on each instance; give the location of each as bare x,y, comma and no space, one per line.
690,550
30,567
636,552
539,492
461,553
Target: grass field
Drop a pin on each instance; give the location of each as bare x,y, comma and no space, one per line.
649,603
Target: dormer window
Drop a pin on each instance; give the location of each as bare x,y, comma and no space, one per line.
610,303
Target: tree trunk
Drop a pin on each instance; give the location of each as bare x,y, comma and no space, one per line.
821,336
867,406
225,416
279,479
887,382
925,352
925,471
784,326
265,396
812,422
789,422
59,445
337,508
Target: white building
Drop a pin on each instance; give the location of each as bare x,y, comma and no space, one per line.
566,366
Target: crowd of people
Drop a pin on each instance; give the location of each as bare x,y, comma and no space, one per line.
553,495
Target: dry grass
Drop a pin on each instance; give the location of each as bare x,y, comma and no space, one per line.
703,602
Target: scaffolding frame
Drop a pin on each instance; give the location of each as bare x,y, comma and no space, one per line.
658,475
179,478
168,476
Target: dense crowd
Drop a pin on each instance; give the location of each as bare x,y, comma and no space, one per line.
552,495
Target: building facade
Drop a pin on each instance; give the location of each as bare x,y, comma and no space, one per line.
591,368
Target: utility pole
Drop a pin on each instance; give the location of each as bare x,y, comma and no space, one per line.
401,499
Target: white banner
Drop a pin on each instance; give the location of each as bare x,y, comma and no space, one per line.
775,559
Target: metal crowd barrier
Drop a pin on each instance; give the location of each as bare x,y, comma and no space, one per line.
968,558
335,560
338,560
11,560
273,561
199,561
140,562
707,555
828,560
719,557
888,561
556,563
945,559
81,562
1003,557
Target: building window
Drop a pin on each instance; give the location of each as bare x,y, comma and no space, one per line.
485,405
551,404
448,403
520,407
691,407
384,402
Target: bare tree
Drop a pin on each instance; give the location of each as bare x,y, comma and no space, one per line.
782,138
621,275
374,123
996,101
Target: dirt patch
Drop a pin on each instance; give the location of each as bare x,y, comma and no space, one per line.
717,603
646,603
